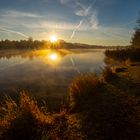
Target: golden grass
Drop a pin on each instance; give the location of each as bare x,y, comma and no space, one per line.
25,120
83,87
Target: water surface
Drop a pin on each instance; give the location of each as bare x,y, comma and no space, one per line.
46,73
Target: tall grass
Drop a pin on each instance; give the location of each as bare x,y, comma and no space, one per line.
89,86
26,121
83,88
108,74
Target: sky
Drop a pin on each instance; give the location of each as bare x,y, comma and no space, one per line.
98,22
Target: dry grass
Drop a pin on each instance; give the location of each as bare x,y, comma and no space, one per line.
26,120
108,74
83,87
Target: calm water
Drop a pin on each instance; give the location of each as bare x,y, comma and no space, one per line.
46,73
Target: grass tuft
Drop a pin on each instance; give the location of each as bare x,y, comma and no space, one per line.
83,88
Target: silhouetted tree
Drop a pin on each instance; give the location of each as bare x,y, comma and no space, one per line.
136,36
30,39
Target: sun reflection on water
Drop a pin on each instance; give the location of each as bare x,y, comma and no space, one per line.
53,56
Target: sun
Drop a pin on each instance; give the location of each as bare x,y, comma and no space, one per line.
53,39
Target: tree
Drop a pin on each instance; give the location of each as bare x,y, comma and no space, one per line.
136,36
30,39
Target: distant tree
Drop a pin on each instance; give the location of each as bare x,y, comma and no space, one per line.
136,36
30,43
30,39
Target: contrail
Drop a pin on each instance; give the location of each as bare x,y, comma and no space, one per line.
77,27
82,20
12,31
86,14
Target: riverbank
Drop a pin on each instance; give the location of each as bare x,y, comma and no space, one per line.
104,107
98,107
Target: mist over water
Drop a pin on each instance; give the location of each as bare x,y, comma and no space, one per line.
46,73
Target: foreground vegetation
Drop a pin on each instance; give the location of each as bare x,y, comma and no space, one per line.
99,107
26,121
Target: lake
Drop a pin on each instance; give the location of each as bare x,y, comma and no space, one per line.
46,74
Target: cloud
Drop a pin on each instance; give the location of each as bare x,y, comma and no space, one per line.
94,23
82,10
79,8
64,1
14,13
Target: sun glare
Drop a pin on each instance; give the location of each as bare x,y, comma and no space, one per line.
53,38
53,56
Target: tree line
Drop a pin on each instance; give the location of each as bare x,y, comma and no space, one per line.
22,44
44,44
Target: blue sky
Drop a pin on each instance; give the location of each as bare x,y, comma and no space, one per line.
101,22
